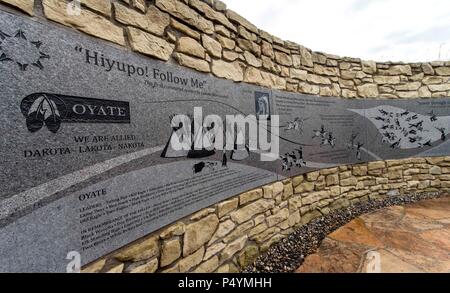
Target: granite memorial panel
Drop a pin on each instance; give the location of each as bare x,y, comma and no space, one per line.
87,158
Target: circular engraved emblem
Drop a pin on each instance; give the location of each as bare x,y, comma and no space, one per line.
21,51
40,109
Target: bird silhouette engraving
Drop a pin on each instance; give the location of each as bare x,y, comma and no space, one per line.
403,129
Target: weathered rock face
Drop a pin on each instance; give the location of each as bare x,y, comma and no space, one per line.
24,5
187,263
191,47
368,91
208,266
227,70
233,16
176,229
154,21
150,267
102,7
227,206
171,251
250,196
252,60
140,251
199,233
212,14
443,71
212,46
283,58
233,247
224,229
150,45
247,212
214,250
183,12
88,22
191,62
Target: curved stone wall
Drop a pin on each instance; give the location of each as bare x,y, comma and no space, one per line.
207,37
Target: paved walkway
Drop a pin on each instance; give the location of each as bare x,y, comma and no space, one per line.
411,238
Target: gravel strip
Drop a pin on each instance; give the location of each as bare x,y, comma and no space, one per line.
289,254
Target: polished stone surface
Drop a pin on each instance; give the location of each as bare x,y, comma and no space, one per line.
411,238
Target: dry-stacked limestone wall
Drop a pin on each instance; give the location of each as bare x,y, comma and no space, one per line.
207,37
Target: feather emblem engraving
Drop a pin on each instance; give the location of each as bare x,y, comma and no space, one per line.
43,111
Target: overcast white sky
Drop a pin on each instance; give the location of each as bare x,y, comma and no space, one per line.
380,30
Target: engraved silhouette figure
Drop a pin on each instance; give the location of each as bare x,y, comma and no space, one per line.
240,151
179,135
358,150
442,131
224,159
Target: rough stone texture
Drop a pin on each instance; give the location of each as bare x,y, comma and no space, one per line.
149,267
87,21
298,74
115,269
154,21
248,255
140,251
233,16
223,230
211,14
283,58
208,266
184,29
442,71
252,60
176,229
399,70
212,46
278,217
199,233
187,263
368,91
186,14
219,5
233,247
227,206
102,7
24,5
95,267
228,268
191,62
250,196
247,212
139,5
228,70
148,44
214,250
171,251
